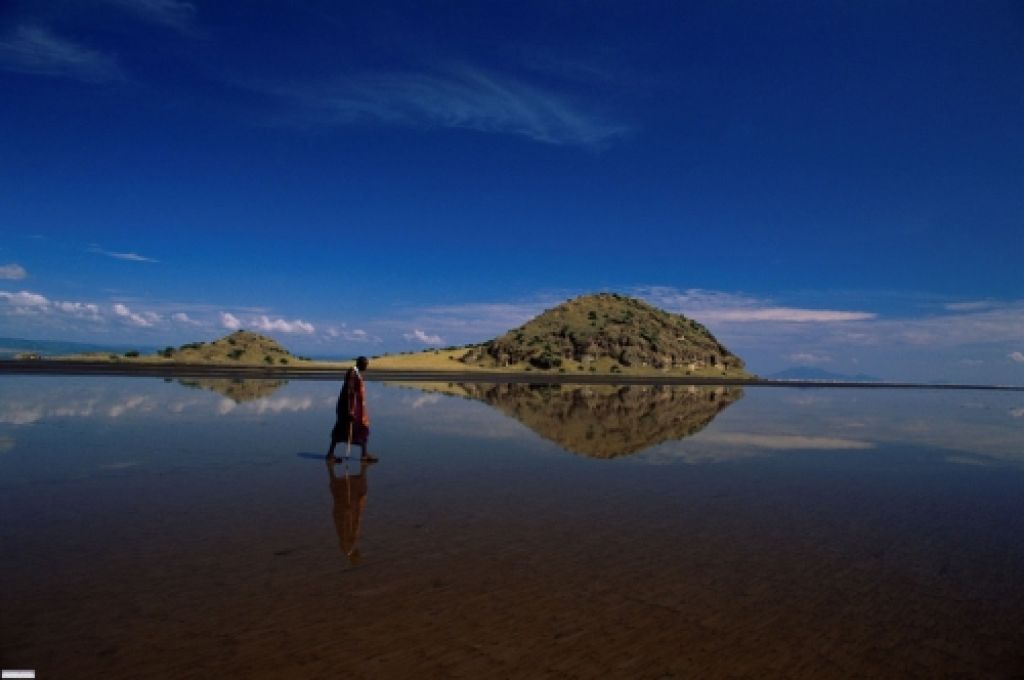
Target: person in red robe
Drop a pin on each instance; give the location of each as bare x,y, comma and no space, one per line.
353,424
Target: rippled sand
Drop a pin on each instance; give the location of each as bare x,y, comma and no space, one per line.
802,580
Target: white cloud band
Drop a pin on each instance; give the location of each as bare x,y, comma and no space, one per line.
12,272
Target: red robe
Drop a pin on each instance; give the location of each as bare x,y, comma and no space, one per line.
352,400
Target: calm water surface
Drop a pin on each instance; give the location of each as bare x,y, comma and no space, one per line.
191,528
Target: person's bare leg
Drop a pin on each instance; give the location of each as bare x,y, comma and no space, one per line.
366,456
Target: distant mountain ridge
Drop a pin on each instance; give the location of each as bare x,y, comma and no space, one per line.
814,373
608,332
10,347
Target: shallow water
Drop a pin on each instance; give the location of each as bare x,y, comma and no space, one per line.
158,529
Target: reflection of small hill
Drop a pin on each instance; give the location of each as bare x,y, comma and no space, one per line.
604,421
236,389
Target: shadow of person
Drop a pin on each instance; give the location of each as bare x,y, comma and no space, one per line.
349,492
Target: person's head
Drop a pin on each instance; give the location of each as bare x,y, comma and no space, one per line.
362,363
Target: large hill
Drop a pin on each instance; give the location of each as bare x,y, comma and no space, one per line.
607,332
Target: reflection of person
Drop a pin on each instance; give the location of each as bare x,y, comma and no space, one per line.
353,425
349,493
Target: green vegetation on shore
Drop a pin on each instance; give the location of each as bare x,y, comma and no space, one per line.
608,333
241,348
600,334
604,334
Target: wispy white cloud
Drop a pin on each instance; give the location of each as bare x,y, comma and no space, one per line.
29,304
996,322
183,318
919,343
426,400
695,298
784,442
12,271
265,323
27,307
420,336
809,358
81,310
459,97
473,321
354,335
25,299
230,321
132,403
505,314
266,405
280,404
1017,356
999,323
171,13
786,314
20,414
710,306
130,257
38,51
139,319
972,306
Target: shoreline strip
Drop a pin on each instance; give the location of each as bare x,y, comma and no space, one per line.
70,368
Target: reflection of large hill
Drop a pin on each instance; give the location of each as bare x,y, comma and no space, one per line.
236,389
604,421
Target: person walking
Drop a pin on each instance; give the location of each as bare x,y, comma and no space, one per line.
353,423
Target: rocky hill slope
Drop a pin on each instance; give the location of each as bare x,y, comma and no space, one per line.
607,332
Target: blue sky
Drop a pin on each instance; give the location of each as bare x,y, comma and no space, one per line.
836,184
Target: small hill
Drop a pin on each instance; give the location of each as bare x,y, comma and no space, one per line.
607,332
240,347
